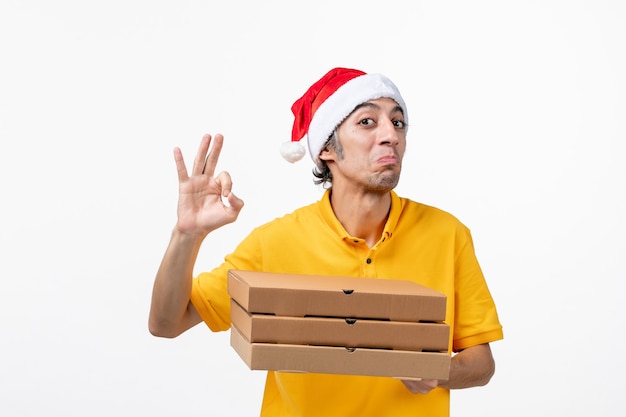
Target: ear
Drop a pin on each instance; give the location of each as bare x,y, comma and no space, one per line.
327,154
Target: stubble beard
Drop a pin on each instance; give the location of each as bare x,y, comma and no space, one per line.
385,181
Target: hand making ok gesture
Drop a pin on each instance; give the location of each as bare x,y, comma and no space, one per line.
201,205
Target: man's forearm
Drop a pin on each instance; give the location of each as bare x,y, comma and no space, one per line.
471,367
170,311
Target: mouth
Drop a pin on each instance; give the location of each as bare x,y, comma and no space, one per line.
388,160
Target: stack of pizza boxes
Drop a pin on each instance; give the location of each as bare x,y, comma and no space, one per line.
339,325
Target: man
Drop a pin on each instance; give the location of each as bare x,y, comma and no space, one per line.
355,125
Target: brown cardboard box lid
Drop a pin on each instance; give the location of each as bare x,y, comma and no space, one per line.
335,296
339,360
349,332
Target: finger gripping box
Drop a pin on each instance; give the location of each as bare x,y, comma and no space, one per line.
346,325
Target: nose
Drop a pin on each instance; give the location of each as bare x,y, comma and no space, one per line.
389,134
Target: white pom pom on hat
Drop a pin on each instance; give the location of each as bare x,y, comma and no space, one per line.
292,151
328,102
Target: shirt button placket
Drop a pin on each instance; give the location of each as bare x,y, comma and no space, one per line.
368,267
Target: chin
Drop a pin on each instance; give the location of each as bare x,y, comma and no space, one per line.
385,184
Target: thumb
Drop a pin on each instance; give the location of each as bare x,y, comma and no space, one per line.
235,203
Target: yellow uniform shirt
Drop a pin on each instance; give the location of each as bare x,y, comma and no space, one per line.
419,243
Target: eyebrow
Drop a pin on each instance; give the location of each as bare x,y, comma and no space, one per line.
397,108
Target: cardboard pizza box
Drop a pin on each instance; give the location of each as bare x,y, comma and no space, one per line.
399,364
344,332
335,296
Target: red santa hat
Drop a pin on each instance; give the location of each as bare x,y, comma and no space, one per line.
328,102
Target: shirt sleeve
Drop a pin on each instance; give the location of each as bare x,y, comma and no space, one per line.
476,317
209,293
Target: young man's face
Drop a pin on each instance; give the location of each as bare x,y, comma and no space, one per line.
372,142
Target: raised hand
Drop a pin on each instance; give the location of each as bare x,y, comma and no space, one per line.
201,205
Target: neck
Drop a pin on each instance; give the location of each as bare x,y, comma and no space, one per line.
362,214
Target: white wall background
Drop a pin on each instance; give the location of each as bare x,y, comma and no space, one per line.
518,128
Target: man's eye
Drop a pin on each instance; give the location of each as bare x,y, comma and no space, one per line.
366,122
399,124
